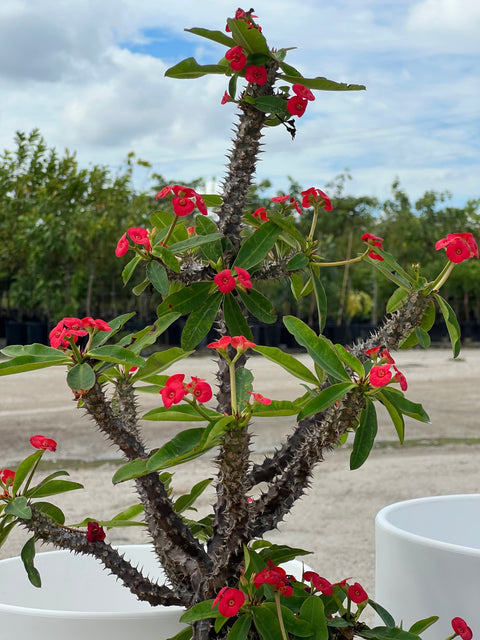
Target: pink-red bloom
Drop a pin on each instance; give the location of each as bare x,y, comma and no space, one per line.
229,601
243,278
237,58
259,398
95,532
296,106
225,281
139,235
221,345
320,584
380,375
303,91
256,74
226,98
357,593
240,343
7,476
373,351
459,246
40,442
276,577
373,241
174,391
184,199
261,213
400,378
122,246
202,391
462,629
312,195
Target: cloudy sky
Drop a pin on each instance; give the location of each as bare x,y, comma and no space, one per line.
90,76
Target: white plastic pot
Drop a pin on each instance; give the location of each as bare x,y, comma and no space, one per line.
428,561
79,599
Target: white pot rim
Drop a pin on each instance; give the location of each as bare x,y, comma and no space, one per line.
383,521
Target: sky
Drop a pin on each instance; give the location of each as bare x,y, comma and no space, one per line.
90,76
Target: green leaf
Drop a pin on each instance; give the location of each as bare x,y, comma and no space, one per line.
312,611
241,627
185,634
234,318
215,430
206,227
387,633
129,513
250,39
158,277
319,348
258,305
186,501
167,257
255,248
81,377
118,355
320,299
276,408
383,613
129,268
199,611
189,68
54,487
200,321
36,350
244,381
30,363
272,104
211,200
140,288
117,324
161,360
294,625
396,299
266,622
421,625
451,323
28,555
364,435
182,447
395,415
18,507
185,300
409,408
326,398
216,36
51,511
286,224
288,362
280,553
422,337
131,470
321,84
24,469
194,242
350,360
5,530
296,285
426,324
179,413
300,261
290,71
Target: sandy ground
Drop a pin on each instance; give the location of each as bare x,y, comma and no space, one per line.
335,520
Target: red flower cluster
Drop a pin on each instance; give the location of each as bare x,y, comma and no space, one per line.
240,343
176,389
462,629
297,104
184,199
226,282
76,328
276,577
319,583
40,442
373,241
459,246
7,476
292,203
380,373
229,601
261,213
240,14
312,195
95,532
138,235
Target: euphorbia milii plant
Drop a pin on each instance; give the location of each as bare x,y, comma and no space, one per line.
206,255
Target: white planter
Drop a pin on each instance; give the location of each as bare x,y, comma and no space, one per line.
428,561
79,599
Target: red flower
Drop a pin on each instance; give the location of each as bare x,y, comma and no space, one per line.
7,476
243,279
312,195
236,57
259,398
459,246
95,532
122,246
357,593
240,343
275,577
40,442
303,92
200,202
373,351
221,345
462,629
386,357
380,375
183,206
256,74
229,601
174,391
101,325
225,281
374,241
139,235
296,106
399,377
184,199
202,391
321,584
280,198
57,336
261,213
226,98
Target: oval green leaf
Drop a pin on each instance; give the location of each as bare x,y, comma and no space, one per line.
256,247
325,399
81,377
